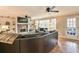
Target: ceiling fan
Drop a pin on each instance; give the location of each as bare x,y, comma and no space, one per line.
51,9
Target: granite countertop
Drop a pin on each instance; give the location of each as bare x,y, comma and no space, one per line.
34,35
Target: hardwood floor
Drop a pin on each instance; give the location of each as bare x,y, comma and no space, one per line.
66,46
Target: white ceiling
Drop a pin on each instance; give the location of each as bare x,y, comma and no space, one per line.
37,11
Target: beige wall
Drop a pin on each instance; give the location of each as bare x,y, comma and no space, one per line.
61,25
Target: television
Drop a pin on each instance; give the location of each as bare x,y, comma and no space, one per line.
22,20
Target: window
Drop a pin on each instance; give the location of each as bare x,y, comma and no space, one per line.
49,24
71,22
71,26
44,23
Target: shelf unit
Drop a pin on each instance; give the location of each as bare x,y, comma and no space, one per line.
24,25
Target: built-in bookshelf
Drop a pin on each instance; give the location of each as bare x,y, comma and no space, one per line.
8,23
24,25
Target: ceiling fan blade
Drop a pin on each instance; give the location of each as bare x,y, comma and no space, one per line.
54,11
53,7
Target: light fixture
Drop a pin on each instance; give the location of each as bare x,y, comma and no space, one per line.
51,9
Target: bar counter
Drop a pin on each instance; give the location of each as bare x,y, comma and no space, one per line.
31,43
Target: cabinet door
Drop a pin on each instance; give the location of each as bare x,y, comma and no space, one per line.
24,45
7,48
50,42
29,45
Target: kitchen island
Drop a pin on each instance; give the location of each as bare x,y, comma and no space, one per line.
31,43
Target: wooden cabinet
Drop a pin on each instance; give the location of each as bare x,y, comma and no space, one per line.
41,44
8,48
